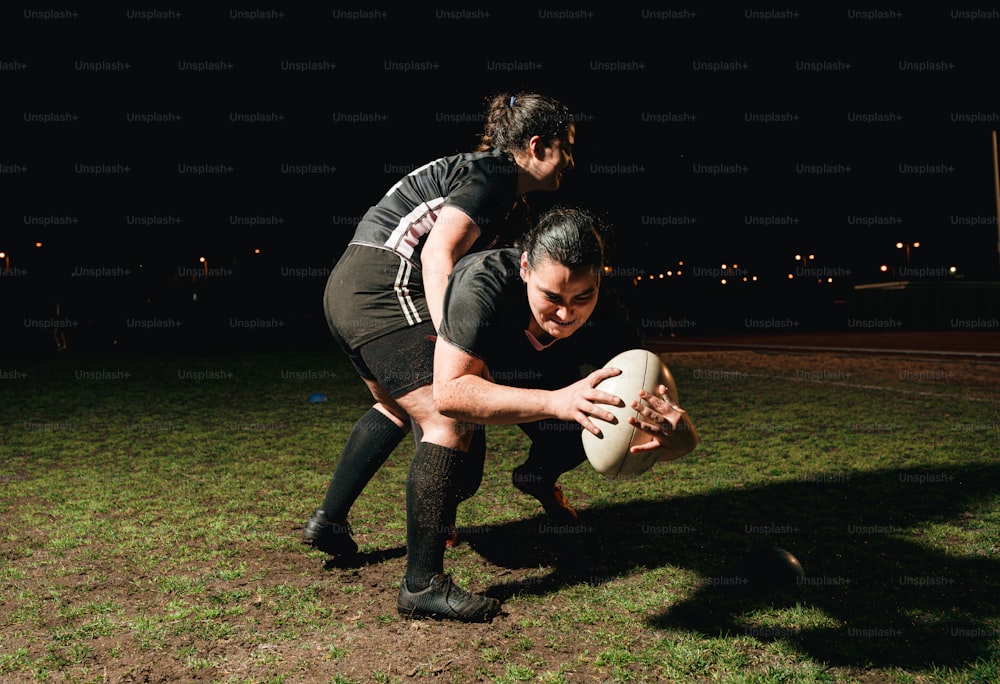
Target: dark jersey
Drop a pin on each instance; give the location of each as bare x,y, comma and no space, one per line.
377,286
481,184
486,314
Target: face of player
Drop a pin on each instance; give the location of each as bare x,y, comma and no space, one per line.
561,300
547,164
559,157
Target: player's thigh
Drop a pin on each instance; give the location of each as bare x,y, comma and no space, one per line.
401,361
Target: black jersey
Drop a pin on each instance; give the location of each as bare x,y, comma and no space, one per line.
486,314
481,184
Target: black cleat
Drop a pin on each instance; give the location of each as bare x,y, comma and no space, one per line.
331,537
443,600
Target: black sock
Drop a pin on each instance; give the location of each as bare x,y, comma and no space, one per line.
470,476
368,446
430,510
553,451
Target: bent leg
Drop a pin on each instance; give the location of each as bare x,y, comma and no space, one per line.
391,365
372,439
470,477
555,449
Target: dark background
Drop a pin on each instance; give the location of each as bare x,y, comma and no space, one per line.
710,137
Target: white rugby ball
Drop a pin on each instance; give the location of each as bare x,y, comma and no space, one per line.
609,454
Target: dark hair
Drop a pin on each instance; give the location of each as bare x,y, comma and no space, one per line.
513,118
569,236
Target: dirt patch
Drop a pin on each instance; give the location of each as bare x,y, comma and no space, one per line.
913,373
365,635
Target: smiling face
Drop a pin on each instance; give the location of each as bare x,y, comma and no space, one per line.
561,300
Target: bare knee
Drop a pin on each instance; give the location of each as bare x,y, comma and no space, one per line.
388,406
402,421
436,427
448,432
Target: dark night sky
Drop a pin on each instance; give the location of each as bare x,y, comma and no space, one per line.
714,137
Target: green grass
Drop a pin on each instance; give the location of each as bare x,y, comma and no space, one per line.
151,508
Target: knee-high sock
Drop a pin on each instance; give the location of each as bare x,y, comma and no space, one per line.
470,476
430,510
368,446
555,449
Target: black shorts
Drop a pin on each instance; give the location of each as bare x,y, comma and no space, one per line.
400,361
371,292
375,308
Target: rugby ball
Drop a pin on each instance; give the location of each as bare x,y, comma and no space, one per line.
609,454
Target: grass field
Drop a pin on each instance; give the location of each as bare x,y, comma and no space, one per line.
151,511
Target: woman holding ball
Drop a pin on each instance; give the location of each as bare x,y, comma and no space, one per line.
518,328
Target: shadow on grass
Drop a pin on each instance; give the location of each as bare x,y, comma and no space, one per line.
887,597
360,560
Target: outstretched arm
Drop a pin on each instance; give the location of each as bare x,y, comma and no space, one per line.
464,390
